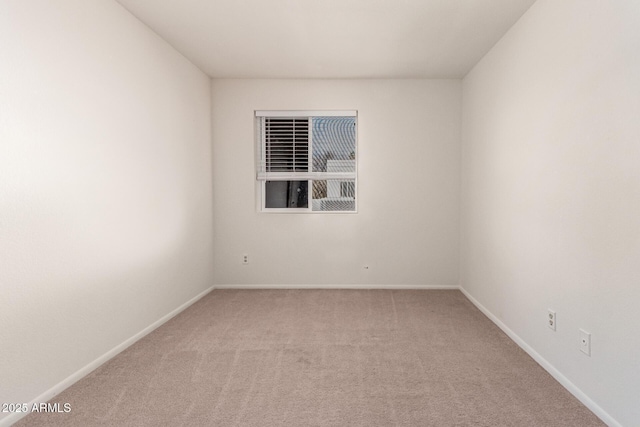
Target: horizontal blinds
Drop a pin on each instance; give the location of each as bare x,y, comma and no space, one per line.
286,144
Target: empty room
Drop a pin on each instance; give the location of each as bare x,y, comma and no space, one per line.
320,213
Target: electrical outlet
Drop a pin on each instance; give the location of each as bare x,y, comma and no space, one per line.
585,342
551,320
245,259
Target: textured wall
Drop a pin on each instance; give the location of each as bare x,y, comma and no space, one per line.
105,186
551,190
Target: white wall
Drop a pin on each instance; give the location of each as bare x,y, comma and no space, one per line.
551,191
406,228
105,186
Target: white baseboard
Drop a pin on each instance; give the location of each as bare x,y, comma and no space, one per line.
333,286
571,387
78,375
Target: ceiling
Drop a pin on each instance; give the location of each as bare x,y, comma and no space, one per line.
331,38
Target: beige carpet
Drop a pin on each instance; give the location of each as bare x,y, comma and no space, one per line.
322,358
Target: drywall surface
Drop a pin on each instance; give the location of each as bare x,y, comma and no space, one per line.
105,186
551,191
406,228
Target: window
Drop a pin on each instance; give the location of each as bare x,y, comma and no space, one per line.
307,161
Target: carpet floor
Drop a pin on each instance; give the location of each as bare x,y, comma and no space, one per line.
322,358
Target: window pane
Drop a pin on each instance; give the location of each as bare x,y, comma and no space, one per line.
334,144
334,195
286,194
348,189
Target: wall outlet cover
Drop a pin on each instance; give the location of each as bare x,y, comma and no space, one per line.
585,342
551,319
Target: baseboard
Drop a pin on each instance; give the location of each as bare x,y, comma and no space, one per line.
78,375
571,387
334,286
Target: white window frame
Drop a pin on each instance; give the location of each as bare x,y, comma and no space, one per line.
263,177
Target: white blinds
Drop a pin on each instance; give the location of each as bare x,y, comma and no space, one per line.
286,144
